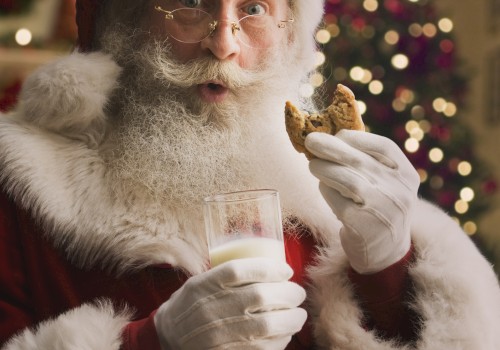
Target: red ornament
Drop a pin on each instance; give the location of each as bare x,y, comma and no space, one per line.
441,133
358,24
446,198
489,187
446,46
394,6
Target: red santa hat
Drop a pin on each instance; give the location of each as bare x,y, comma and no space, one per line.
86,13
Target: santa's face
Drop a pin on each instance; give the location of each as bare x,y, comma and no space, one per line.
234,31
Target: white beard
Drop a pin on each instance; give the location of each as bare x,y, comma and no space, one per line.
170,148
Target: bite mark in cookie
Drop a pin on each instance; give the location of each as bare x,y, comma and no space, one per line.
343,113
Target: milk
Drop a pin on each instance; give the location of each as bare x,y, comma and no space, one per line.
247,248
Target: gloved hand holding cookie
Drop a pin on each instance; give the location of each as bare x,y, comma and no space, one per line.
365,178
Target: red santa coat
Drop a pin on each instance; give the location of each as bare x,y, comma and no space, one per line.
59,182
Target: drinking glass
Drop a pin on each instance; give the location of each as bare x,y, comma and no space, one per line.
244,224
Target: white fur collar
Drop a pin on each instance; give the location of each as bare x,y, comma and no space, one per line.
62,182
52,166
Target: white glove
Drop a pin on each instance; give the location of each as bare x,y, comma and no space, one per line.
244,303
372,188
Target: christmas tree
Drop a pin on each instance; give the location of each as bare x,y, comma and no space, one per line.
399,58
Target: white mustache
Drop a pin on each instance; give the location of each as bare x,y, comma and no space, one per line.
201,70
207,69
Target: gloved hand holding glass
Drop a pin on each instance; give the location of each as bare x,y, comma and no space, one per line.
245,300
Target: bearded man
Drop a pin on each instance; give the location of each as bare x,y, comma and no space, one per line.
110,150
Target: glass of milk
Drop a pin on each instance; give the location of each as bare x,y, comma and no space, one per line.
244,224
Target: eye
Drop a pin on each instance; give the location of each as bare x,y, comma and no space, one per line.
190,3
255,10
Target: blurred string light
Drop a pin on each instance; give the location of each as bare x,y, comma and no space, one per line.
470,227
440,105
362,107
333,29
445,25
412,145
423,174
323,36
23,37
429,30
461,206
464,168
436,155
376,87
370,5
400,61
320,58
414,130
391,37
467,194
361,74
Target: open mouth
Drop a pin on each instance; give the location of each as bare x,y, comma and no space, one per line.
213,91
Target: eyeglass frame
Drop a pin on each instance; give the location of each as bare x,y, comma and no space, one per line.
212,26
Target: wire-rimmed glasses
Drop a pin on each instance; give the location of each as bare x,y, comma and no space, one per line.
192,25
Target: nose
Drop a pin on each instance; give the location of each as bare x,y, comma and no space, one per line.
223,43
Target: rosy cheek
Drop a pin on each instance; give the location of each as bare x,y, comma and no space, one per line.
248,58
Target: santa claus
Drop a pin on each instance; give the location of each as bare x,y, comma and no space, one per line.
106,159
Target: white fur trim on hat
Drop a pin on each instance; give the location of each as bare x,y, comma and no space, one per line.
307,16
69,95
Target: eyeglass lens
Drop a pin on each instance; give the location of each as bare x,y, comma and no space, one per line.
193,25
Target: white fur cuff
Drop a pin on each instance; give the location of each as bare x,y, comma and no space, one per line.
90,326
